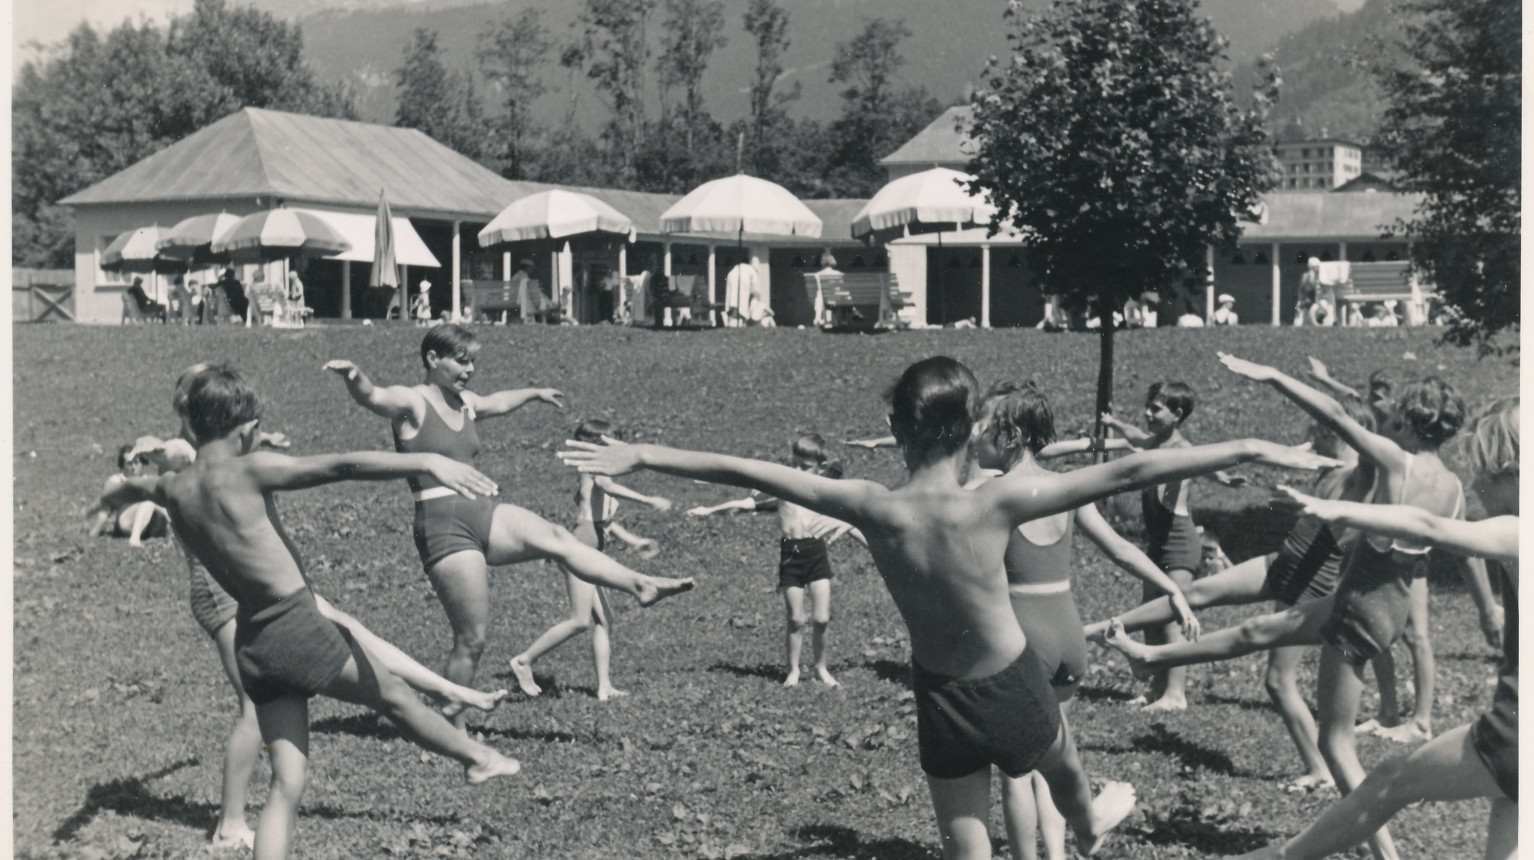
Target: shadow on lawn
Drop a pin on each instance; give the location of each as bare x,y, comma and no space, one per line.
1242,702
1103,694
1206,837
830,840
1192,755
770,671
132,796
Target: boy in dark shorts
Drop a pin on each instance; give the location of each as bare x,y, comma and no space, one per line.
1172,539
983,698
804,566
224,511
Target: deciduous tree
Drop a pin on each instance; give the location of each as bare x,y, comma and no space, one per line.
877,114
1452,127
613,49
437,101
511,53
767,23
693,31
1110,138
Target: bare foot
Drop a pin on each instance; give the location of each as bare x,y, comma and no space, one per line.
1309,782
230,838
1119,641
460,699
793,678
524,672
1406,733
494,765
1138,701
1367,727
654,589
1111,806
605,693
825,677
1167,703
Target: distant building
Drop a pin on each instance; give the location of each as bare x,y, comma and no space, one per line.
1318,165
1383,180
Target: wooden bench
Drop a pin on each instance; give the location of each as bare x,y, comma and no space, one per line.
1379,282
488,298
859,300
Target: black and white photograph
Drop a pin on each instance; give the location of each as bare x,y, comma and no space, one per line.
765,429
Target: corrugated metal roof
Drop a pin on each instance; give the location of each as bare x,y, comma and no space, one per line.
1323,214
940,143
264,153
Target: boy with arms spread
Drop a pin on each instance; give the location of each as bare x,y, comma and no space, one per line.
983,697
223,509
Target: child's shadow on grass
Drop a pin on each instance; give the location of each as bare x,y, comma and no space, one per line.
1210,838
1242,702
890,671
131,796
1103,694
1192,755
770,671
834,840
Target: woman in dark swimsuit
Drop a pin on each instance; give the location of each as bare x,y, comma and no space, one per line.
460,538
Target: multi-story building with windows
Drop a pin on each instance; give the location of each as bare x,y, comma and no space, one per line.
1318,165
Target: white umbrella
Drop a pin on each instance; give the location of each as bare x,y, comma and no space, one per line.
741,204
192,239
280,234
553,215
930,197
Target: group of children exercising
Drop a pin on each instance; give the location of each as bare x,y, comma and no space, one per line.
978,539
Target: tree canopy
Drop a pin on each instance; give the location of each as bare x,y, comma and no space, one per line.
1452,128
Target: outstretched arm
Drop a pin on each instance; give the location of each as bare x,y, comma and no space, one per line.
1027,497
1131,433
747,504
389,402
1136,563
1371,446
1473,571
277,472
1323,378
1081,446
1495,538
120,494
842,499
503,402
613,488
881,442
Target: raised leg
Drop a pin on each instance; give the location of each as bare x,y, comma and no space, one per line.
1236,585
1090,819
1298,626
517,535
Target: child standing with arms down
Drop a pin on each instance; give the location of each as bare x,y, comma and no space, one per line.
1172,538
803,564
982,698
596,502
223,508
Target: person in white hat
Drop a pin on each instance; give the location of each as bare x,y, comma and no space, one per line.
1225,314
420,306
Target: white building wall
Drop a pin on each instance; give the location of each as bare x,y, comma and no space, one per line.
909,265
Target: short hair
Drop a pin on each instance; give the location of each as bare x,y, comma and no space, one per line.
219,400
1017,417
183,382
1325,440
122,456
1177,395
813,446
593,429
448,340
1494,440
1432,409
932,407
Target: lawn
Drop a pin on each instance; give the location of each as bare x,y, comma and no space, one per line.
120,708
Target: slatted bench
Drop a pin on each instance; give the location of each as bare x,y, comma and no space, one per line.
860,300
500,297
1379,282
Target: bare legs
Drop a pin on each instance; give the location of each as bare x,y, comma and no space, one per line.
1300,625
1445,769
242,751
1338,686
795,617
1283,666
462,585
1233,586
1028,811
586,613
1167,690
1424,670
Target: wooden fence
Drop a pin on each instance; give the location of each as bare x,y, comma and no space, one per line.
42,295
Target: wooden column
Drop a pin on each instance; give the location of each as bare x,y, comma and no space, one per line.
346,289
1278,310
457,265
985,286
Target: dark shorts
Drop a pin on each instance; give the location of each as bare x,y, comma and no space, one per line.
212,606
1009,719
451,524
289,649
1295,582
1495,738
802,561
1364,624
1053,626
1182,549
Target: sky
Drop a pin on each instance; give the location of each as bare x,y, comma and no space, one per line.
49,21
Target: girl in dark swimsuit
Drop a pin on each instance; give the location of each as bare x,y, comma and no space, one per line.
1015,423
460,538
1479,759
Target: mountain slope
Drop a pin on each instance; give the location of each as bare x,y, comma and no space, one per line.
948,48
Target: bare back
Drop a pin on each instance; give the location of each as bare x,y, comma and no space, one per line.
941,554
226,521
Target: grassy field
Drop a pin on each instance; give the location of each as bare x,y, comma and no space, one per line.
120,709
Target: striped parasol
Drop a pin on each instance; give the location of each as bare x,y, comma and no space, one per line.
553,215
280,234
192,239
741,204
137,251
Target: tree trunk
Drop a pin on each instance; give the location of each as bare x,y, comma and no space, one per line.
1104,370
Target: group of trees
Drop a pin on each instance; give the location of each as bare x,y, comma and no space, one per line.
637,54
99,102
